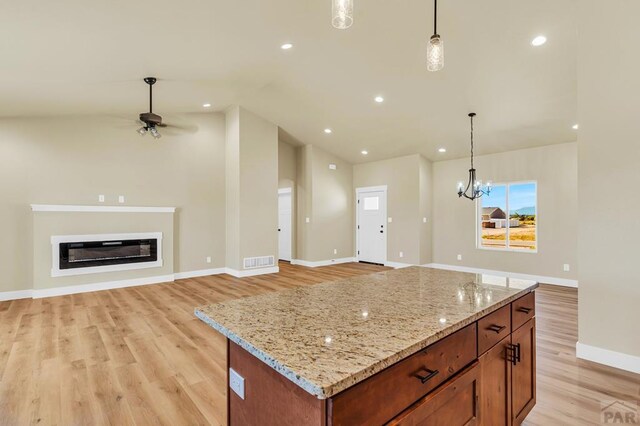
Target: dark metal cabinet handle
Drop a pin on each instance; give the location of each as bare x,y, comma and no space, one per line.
496,328
430,375
278,229
525,310
511,354
382,232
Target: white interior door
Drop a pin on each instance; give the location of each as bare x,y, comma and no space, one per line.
284,226
372,226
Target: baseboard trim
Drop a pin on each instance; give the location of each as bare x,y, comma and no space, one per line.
541,279
108,285
315,264
15,295
251,272
607,357
397,265
200,273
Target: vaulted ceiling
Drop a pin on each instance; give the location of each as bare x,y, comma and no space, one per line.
79,57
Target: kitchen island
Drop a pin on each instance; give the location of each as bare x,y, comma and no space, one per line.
409,346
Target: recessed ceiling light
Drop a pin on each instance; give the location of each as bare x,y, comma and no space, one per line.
364,152
379,99
327,131
539,41
575,127
206,105
286,46
442,150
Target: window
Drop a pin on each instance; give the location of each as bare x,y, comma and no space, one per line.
371,203
508,218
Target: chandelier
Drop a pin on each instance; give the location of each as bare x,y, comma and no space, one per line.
474,188
435,48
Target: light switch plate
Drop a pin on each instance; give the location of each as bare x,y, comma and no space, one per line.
236,382
459,257
208,259
401,254
121,199
335,251
566,267
424,220
332,166
306,219
390,220
101,198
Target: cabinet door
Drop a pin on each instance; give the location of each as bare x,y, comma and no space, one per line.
523,373
455,403
495,385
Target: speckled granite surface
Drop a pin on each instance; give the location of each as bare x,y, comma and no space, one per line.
329,336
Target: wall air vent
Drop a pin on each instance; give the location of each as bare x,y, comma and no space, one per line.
258,262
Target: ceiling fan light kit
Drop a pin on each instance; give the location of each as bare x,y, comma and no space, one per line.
150,120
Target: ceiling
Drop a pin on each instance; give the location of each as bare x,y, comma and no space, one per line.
79,57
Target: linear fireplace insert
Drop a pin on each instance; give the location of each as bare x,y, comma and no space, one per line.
84,254
100,253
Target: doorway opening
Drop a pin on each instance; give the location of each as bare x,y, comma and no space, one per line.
284,223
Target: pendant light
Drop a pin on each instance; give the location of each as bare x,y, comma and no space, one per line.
476,187
342,14
435,48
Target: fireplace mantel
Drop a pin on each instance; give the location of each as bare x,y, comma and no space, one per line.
99,209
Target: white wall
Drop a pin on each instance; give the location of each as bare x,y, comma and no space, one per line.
609,172
408,181
71,160
555,168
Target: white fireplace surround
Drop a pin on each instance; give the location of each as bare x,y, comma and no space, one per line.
55,253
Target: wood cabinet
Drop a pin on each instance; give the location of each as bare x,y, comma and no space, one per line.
483,374
495,385
454,403
370,402
508,377
523,371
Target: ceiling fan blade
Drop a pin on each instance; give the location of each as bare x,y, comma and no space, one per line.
181,128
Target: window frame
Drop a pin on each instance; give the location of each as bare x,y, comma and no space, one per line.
478,209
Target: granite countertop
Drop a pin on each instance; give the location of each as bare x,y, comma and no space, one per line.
329,336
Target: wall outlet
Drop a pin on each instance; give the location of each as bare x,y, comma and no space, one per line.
459,257
208,259
424,220
390,220
236,383
566,267
401,254
335,251
307,220
121,199
101,198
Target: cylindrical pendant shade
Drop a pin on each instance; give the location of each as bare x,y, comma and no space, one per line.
435,53
342,14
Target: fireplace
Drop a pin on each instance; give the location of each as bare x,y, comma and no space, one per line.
84,254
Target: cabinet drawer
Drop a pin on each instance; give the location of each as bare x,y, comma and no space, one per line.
386,394
493,328
522,310
454,404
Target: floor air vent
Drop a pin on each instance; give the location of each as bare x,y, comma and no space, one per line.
258,262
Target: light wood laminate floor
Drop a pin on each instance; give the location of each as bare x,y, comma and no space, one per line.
139,356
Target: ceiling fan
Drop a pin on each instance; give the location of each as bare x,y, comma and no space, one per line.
150,121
